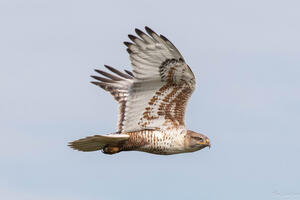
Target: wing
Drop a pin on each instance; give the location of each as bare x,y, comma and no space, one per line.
155,95
118,85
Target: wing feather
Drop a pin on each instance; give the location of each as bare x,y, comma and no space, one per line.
155,94
162,85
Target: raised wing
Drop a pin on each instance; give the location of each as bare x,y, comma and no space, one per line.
156,94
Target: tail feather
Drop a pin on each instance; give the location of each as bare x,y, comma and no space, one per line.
97,142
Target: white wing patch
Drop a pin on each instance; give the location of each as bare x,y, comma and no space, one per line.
159,104
156,94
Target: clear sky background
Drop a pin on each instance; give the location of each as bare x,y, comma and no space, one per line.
244,54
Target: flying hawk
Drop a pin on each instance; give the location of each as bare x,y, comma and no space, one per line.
152,101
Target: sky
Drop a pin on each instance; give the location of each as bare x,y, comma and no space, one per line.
244,54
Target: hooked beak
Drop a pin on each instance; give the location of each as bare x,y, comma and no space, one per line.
206,142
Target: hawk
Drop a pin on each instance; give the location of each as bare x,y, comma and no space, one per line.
152,101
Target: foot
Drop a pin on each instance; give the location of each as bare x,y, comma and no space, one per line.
110,150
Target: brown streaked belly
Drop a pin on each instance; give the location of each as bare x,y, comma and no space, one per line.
152,141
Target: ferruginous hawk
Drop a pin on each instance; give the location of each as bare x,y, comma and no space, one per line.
152,101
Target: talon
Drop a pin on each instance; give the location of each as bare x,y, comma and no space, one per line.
110,150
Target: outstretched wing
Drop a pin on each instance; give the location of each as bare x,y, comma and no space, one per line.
118,85
156,94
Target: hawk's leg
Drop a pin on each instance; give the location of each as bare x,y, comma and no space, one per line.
111,150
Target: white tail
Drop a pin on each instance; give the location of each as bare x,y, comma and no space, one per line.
97,142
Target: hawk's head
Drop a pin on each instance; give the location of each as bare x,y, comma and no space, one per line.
195,141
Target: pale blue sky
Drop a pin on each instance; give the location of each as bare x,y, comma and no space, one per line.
245,55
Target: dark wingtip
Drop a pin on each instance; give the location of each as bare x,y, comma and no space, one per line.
128,44
132,37
98,71
94,82
164,38
129,72
121,74
108,67
92,76
129,51
149,30
139,32
102,79
98,84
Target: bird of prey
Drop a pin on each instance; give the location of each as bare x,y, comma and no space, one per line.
152,101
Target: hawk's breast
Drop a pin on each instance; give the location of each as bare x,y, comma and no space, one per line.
156,141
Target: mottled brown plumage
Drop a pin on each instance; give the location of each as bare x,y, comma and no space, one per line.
152,101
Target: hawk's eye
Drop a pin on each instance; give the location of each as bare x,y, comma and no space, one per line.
198,138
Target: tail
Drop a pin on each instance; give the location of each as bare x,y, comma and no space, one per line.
98,142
